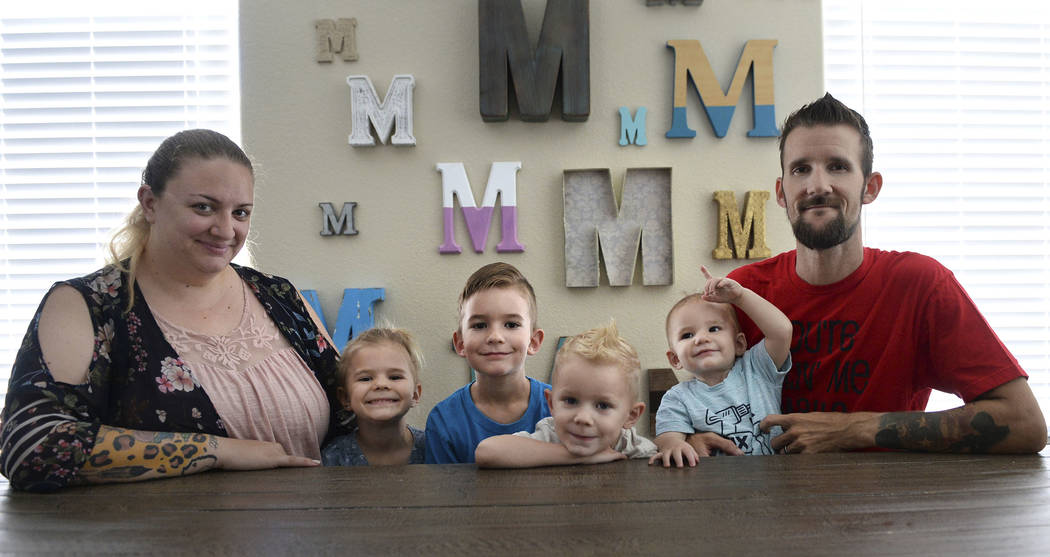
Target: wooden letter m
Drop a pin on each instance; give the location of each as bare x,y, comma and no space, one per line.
564,45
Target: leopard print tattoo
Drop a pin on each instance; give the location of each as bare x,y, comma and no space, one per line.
126,455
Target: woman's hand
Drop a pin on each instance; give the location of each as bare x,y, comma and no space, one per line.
248,454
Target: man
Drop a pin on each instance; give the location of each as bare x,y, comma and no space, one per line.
874,330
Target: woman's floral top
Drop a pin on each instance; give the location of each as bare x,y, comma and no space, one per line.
135,380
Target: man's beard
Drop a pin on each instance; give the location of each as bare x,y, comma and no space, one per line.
831,234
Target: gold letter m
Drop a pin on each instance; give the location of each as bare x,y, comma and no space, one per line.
753,227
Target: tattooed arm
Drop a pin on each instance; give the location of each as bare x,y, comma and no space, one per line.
1006,419
124,455
49,439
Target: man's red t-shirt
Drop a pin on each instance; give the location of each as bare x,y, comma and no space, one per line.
881,338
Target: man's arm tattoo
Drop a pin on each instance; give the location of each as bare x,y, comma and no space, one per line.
940,431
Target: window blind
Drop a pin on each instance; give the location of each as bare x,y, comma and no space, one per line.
87,92
956,94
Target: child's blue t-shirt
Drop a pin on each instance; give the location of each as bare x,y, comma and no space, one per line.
455,426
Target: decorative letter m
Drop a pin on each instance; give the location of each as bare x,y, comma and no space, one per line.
564,45
338,36
502,182
690,61
591,219
394,112
751,231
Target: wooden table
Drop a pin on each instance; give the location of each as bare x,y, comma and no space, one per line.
837,504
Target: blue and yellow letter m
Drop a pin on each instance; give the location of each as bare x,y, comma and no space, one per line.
691,62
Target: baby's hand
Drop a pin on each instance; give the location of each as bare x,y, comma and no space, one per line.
680,453
720,289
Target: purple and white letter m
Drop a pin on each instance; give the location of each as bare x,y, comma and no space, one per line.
502,182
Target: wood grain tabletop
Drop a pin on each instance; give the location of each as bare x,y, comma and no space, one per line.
833,504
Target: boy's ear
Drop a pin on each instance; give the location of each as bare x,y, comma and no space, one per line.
635,413
547,394
457,344
741,344
673,359
535,341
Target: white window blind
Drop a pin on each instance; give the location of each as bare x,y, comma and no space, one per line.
87,92
957,95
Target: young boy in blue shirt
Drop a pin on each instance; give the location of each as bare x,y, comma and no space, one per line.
497,330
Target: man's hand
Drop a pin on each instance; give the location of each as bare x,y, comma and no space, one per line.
705,444
1006,419
822,432
720,289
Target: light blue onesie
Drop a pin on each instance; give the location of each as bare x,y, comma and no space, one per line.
732,408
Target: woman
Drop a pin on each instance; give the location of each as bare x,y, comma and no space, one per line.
171,360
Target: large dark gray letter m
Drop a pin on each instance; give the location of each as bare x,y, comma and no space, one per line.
563,46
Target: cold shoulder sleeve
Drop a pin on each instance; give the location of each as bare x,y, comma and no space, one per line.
135,380
49,428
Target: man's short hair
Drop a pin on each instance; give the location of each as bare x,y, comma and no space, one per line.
829,111
499,275
604,345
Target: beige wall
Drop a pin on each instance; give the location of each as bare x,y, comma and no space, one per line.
296,119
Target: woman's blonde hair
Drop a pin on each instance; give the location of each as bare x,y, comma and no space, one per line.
129,241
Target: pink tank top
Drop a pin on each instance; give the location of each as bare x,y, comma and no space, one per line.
259,385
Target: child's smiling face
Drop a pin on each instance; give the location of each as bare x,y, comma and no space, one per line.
591,403
704,338
380,384
496,332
